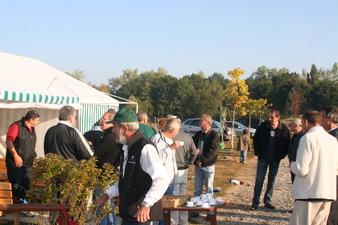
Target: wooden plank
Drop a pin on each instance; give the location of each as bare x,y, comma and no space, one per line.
6,201
5,186
6,194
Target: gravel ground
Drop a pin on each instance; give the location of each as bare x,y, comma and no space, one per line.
240,196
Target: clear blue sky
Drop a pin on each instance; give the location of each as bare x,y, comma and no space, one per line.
102,38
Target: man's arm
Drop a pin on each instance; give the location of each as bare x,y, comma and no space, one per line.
17,159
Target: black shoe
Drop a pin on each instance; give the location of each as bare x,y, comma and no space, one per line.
194,215
253,207
208,217
270,206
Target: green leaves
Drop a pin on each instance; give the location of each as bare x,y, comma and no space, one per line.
73,184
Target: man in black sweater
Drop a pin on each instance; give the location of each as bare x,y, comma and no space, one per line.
271,145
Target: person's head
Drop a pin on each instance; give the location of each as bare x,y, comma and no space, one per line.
106,117
329,117
274,117
311,119
162,122
142,117
32,118
125,125
245,131
205,122
112,111
68,113
296,126
172,127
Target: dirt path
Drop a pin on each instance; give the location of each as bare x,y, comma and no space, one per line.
240,197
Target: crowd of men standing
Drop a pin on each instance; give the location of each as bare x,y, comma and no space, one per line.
152,163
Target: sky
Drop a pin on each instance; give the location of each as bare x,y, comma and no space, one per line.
103,38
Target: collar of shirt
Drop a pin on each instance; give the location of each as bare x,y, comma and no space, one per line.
65,123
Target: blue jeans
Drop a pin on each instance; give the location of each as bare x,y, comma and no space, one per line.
111,218
262,166
243,156
204,175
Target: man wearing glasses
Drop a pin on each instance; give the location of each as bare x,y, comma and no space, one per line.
65,140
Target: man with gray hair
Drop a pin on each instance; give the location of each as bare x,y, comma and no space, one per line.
146,130
143,178
65,140
296,128
166,147
330,124
207,142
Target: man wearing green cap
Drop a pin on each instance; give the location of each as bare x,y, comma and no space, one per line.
143,178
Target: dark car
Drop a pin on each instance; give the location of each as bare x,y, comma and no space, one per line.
254,122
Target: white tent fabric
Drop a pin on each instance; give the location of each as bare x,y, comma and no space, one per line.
27,83
24,76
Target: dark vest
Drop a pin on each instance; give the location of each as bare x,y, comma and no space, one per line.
24,145
136,183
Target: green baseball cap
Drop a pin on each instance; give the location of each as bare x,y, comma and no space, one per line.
124,115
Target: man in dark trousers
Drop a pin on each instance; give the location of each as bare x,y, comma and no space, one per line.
20,154
207,142
271,144
143,178
330,124
106,152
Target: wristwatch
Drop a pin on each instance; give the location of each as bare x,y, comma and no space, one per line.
146,204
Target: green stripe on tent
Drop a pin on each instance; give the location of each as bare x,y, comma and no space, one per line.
31,97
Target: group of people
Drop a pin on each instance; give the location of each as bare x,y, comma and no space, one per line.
151,164
313,156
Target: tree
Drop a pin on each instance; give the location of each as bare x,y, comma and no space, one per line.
77,74
295,102
237,92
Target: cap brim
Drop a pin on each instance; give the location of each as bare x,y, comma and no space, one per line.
112,121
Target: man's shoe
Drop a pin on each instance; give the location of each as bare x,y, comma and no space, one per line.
194,215
270,206
253,207
208,217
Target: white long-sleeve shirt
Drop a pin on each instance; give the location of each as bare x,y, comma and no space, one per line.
167,155
151,164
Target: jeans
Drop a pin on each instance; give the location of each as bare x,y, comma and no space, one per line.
262,166
111,218
243,156
204,175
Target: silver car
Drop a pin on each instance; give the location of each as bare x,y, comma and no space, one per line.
192,126
238,127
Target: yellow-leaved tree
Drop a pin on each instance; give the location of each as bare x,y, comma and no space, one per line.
237,93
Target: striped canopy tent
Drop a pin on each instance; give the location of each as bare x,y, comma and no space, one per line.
27,83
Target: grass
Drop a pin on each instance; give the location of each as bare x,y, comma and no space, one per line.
226,169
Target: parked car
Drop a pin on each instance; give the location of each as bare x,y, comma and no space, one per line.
238,127
254,122
192,126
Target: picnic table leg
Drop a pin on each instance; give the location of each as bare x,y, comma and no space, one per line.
213,218
16,218
166,217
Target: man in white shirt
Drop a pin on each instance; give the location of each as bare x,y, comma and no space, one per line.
143,178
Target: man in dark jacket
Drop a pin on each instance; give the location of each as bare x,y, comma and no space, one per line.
20,154
65,140
271,145
330,124
207,142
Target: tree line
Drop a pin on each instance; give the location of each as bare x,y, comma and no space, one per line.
159,93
